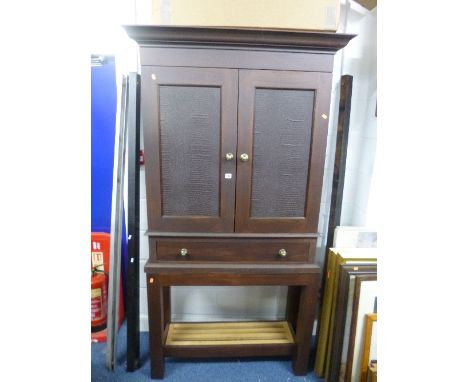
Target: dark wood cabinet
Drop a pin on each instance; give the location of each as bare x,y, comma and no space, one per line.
235,132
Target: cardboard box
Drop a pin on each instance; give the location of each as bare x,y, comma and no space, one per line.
293,14
368,4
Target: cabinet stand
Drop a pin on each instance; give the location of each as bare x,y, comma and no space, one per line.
290,337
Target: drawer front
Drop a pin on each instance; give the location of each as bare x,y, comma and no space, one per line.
235,250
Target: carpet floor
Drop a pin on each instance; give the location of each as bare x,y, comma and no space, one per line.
178,370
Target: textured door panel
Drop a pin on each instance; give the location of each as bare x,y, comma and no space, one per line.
283,132
281,147
190,151
192,123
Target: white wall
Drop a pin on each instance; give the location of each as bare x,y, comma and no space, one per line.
359,59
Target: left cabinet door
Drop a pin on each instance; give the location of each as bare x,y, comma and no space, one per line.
189,119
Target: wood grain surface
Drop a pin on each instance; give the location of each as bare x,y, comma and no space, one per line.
229,333
234,250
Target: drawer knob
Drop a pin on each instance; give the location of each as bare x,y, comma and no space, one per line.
244,157
229,156
282,252
183,252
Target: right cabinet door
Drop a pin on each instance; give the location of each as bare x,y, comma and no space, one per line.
282,138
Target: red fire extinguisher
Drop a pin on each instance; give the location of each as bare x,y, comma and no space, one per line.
100,252
98,300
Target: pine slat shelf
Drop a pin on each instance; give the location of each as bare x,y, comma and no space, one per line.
229,333
229,339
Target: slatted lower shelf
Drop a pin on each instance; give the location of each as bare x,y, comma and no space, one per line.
229,333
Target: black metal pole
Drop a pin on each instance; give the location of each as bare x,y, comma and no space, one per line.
133,276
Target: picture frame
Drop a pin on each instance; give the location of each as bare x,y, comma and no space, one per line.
370,341
343,313
365,297
336,257
372,372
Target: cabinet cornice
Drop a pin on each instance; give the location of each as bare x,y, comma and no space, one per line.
238,37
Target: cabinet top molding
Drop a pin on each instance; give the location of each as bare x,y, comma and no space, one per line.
241,37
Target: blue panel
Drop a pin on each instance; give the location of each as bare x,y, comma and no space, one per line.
103,110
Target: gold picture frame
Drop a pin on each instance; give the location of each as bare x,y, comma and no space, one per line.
364,301
370,320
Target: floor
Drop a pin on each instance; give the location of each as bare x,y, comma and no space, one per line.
178,370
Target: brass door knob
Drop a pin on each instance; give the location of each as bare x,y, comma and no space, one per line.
244,157
229,156
282,252
183,252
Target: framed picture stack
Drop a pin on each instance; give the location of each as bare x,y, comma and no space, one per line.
346,340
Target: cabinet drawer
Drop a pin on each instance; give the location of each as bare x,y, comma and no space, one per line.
235,250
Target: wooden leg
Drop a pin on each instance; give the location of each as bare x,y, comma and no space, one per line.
156,326
305,321
167,305
292,304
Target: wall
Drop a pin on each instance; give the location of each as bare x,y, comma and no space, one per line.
358,59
